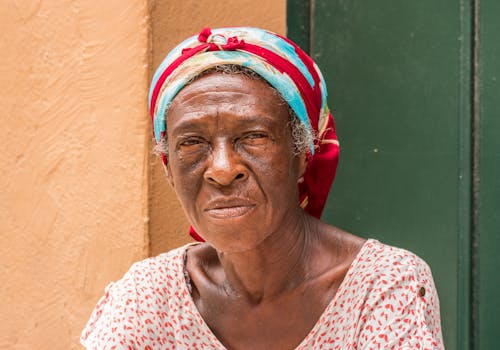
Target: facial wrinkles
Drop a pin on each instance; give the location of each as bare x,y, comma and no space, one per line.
223,117
223,163
223,159
219,94
224,151
232,152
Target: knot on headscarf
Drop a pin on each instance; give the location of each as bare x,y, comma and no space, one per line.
285,67
216,42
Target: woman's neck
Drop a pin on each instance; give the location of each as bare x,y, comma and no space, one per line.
277,265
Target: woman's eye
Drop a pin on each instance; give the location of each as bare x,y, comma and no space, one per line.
256,136
190,144
255,139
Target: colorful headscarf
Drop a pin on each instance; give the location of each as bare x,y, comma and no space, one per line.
285,67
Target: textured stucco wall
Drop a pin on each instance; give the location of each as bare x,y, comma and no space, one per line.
73,156
172,22
81,196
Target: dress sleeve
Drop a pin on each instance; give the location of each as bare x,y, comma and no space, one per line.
403,310
112,323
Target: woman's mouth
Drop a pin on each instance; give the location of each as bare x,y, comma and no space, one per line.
228,208
229,212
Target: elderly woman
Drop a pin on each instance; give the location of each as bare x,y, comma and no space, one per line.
249,146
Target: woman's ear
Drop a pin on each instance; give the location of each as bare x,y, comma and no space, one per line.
303,157
168,173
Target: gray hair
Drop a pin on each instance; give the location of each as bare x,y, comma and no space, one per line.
301,137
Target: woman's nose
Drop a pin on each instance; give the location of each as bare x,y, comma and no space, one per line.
224,166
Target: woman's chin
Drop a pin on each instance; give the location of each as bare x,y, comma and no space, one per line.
233,235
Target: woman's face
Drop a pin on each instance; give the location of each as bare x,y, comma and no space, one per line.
231,160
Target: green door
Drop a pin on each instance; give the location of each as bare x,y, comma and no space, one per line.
404,93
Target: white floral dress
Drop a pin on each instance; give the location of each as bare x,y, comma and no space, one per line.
387,300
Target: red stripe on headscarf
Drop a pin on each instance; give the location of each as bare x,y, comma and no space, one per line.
185,55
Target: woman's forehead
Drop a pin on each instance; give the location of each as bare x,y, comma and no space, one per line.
234,90
244,101
221,81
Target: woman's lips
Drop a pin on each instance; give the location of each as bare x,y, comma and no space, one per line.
228,207
229,212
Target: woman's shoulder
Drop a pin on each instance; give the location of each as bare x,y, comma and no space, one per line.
160,275
146,291
370,256
394,292
380,268
161,264
381,257
152,272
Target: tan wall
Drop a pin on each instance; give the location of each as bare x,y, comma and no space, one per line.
73,142
172,22
78,181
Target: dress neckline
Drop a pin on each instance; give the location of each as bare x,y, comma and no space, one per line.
186,285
